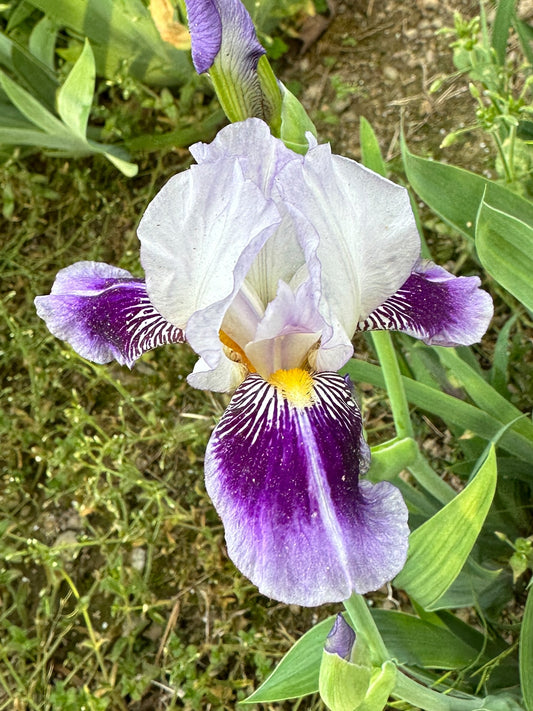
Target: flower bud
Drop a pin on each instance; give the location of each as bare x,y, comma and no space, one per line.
224,43
343,683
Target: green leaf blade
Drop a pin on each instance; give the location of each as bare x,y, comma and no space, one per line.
455,194
74,99
449,408
31,108
440,547
526,652
504,244
370,150
297,673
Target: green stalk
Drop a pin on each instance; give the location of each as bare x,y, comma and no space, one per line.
88,623
363,622
420,469
393,382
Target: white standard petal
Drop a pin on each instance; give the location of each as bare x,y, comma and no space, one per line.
357,225
199,237
261,157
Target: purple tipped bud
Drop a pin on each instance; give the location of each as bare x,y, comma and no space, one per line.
341,639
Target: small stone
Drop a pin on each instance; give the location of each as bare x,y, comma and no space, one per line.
390,73
427,4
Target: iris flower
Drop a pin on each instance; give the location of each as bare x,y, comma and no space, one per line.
266,263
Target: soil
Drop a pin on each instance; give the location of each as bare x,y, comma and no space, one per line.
378,59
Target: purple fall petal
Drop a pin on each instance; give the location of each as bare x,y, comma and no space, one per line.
284,479
435,306
216,22
104,313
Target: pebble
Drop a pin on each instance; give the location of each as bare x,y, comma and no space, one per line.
390,73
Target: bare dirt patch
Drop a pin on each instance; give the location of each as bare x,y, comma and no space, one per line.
379,60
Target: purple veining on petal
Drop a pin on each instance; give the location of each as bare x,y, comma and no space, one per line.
285,482
435,306
213,23
340,639
104,313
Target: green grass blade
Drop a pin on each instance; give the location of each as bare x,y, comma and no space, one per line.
525,34
483,394
31,108
370,150
439,548
75,97
500,360
500,29
526,652
504,244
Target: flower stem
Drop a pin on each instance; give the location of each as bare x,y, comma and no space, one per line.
420,468
393,382
363,622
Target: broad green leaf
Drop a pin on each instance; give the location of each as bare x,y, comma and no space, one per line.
475,586
66,142
75,97
6,47
35,76
297,673
449,408
415,642
370,151
124,39
439,548
483,394
42,41
10,117
504,245
500,28
526,652
456,194
31,107
19,13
